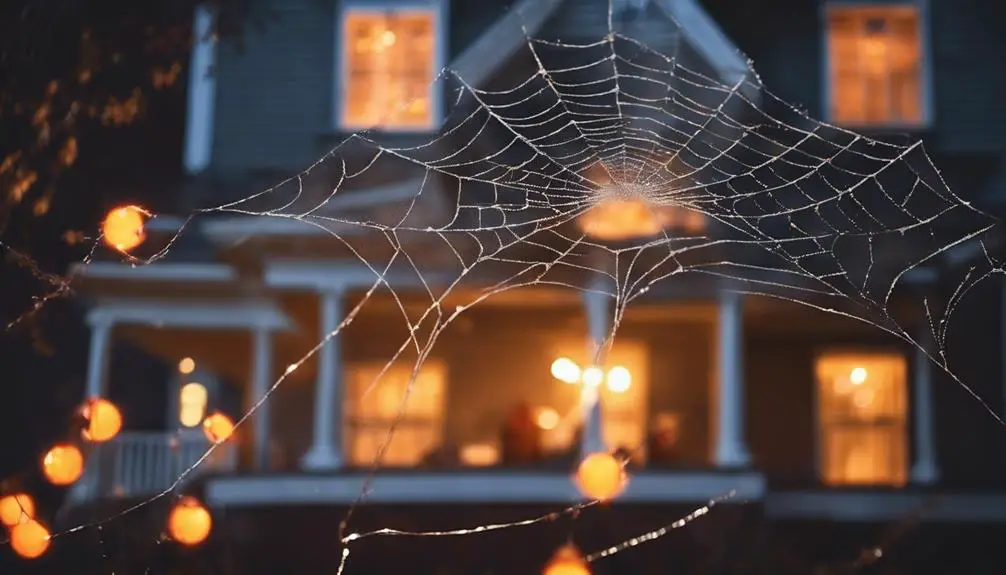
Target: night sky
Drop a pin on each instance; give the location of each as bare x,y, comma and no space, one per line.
43,352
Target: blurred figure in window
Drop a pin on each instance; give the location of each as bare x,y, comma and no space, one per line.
663,441
521,436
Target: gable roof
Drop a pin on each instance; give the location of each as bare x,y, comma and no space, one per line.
481,59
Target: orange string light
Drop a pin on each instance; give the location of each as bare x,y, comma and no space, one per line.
103,420
63,464
122,228
567,561
218,427
16,508
189,523
601,476
29,539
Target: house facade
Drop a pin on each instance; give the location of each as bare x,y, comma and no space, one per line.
803,417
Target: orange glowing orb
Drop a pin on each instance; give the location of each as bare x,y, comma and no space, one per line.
103,420
218,427
16,508
189,523
601,476
63,464
567,561
123,227
29,539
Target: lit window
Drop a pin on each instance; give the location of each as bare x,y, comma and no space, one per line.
862,410
192,404
875,65
373,405
623,390
390,62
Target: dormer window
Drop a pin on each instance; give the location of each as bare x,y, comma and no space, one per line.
877,71
390,54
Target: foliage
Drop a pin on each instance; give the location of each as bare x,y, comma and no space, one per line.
69,68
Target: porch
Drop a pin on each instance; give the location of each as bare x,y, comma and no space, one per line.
468,430
501,407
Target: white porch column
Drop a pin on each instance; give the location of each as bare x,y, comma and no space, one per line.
97,361
261,380
326,450
598,325
731,448
924,469
95,386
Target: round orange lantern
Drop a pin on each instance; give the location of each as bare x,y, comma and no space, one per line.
16,508
103,420
29,539
218,427
567,561
601,476
123,227
63,464
189,523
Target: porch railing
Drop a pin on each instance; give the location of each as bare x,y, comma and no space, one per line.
143,464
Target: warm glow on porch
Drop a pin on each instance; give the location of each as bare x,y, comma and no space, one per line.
618,378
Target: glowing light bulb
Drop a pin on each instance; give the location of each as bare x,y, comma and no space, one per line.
567,561
547,418
16,508
103,420
593,376
218,427
63,464
601,476
858,376
566,370
122,228
186,366
189,522
29,539
619,379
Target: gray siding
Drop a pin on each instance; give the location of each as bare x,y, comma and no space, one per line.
970,90
274,96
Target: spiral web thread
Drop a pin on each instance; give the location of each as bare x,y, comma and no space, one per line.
792,208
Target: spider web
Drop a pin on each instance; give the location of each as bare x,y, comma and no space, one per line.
741,191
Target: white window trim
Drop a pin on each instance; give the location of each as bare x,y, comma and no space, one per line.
440,11
925,68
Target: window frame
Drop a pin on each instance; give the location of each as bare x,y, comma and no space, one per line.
926,106
353,423
907,438
439,10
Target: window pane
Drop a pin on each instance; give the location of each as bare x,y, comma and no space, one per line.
862,409
874,59
373,403
389,60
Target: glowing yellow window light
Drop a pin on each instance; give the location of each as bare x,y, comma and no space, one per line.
192,404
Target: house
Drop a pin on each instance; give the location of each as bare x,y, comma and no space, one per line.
806,417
